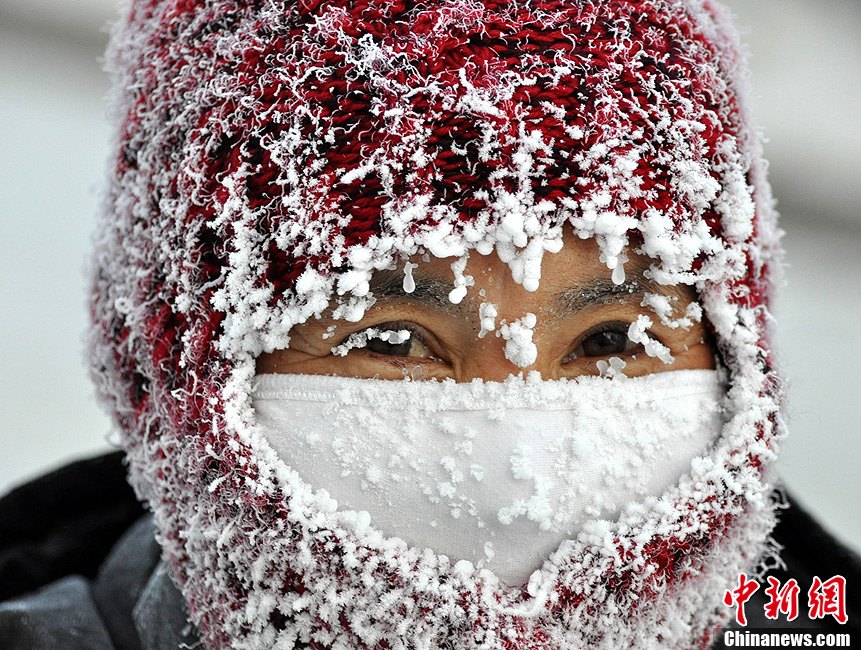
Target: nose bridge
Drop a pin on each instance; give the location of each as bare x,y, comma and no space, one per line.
488,368
486,359
493,366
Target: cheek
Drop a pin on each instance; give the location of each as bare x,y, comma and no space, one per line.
296,362
290,361
700,356
692,348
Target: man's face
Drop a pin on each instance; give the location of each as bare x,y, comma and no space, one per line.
582,318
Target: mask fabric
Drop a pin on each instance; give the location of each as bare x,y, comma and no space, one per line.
495,474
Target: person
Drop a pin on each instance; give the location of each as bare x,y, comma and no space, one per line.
428,325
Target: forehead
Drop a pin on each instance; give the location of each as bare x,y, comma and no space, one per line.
571,280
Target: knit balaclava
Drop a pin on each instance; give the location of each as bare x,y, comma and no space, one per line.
271,155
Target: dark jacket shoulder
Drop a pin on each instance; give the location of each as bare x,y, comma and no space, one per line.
79,566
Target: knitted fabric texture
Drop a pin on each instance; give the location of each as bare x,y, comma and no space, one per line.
272,155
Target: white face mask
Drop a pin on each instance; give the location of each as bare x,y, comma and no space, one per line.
495,473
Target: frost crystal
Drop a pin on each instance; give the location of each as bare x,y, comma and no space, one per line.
611,370
461,281
662,305
409,282
637,333
519,348
487,313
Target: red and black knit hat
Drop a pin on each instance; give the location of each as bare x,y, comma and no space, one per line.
272,155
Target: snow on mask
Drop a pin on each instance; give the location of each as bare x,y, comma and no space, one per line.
270,157
496,474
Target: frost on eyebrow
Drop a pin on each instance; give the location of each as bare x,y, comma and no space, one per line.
427,290
599,292
461,280
614,369
409,284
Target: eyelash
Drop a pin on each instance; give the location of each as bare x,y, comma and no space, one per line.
608,326
617,327
415,335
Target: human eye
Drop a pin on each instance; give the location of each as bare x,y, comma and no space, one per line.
604,340
391,339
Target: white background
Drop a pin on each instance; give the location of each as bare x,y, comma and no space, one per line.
806,66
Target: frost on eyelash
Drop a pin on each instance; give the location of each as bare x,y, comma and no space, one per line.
612,370
663,308
637,334
360,339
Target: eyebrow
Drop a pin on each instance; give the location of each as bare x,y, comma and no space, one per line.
605,292
429,290
433,291
600,292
